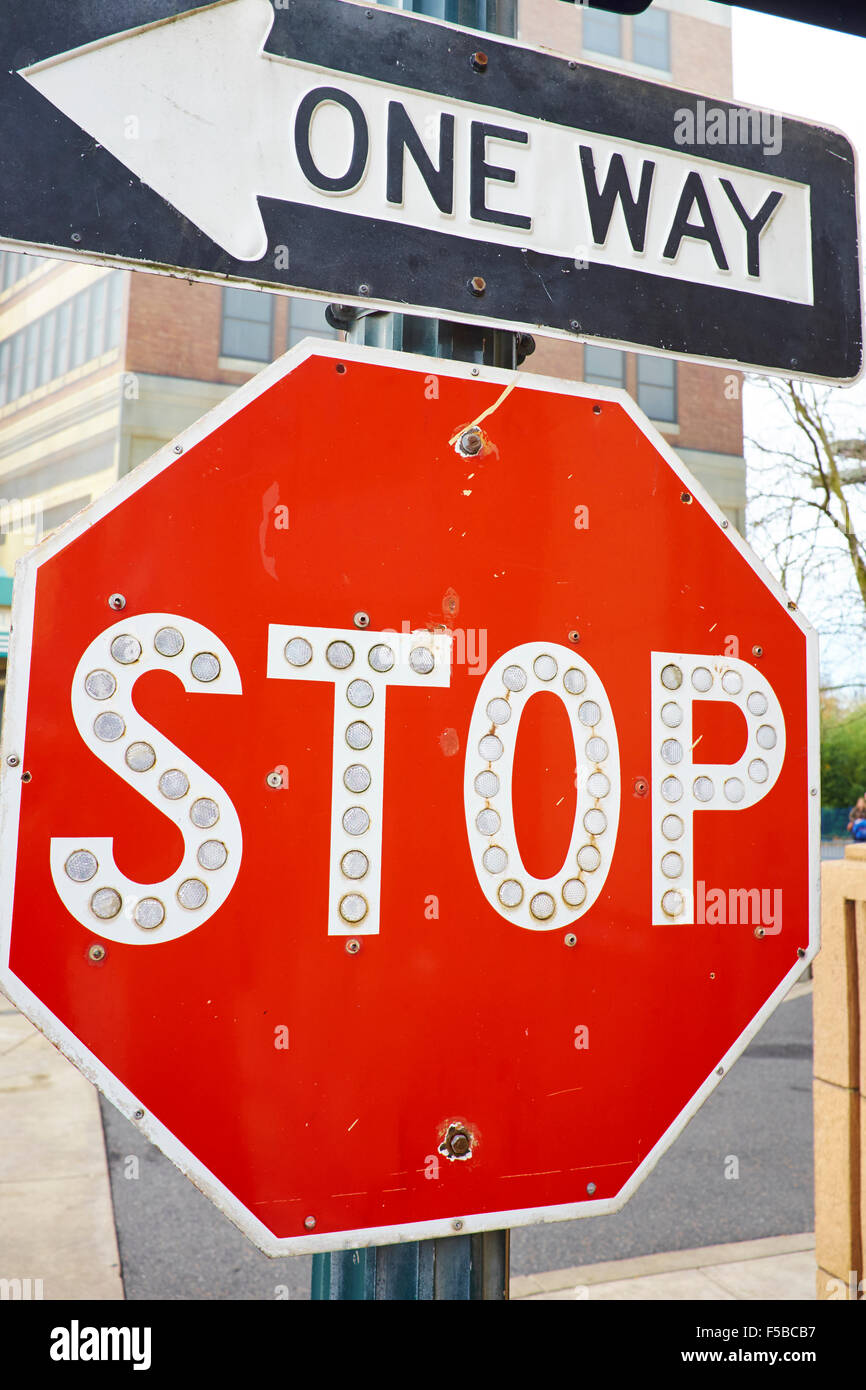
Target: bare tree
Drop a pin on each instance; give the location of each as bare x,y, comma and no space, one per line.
807,505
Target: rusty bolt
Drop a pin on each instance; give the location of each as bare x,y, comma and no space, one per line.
353,946
574,635
479,61
96,953
759,932
27,777
458,1225
685,497
471,442
801,951
757,651
117,601
138,1115
641,786
791,604
596,410
460,1143
477,286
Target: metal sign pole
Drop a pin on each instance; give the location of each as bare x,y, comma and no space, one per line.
455,1267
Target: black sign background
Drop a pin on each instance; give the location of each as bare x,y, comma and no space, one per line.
57,183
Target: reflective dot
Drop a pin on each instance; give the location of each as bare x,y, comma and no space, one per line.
574,681
510,893
703,788
212,854
204,813
487,784
100,685
757,703
589,713
488,821
702,679
672,865
542,906
734,789
732,682
595,822
588,858
298,651
356,820
149,913
168,642
598,784
514,678
359,735
672,827
174,784
494,859
673,902
360,693
498,711
381,657
421,660
672,751
596,750
353,908
205,667
140,757
672,789
81,866
672,677
672,715
545,668
126,649
490,748
758,770
574,892
766,736
354,864
192,893
356,778
340,655
109,727
105,903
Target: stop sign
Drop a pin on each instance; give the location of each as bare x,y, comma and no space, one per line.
409,794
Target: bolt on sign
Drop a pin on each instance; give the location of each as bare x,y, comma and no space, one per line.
386,160
427,867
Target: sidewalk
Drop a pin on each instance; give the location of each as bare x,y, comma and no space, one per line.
57,1220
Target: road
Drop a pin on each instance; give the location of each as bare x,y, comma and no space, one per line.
175,1245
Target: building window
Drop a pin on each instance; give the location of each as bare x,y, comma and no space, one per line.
602,32
77,331
248,325
307,320
651,41
603,366
657,387
14,266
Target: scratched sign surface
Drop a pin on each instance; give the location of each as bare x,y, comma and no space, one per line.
430,862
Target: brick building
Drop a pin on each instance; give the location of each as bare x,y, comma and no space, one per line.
100,367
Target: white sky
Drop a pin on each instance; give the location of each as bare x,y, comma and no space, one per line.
817,74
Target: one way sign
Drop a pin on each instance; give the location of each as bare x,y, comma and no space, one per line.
360,154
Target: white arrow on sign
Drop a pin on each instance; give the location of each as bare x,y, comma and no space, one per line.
202,114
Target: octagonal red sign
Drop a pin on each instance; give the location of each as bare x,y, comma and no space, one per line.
408,791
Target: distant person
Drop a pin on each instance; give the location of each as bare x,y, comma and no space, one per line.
857,819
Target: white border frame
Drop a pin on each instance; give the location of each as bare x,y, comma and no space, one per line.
13,743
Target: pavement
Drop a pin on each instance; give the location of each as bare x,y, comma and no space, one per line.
57,1221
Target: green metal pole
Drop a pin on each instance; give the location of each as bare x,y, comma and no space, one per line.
453,1267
